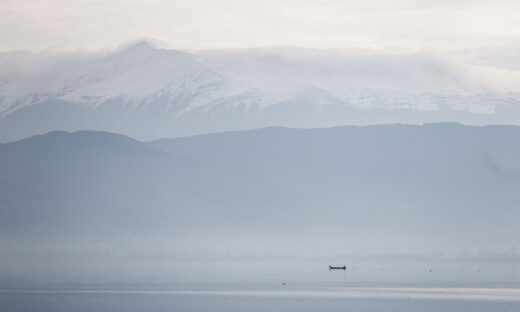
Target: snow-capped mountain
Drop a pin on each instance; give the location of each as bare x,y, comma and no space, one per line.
372,80
148,93
136,76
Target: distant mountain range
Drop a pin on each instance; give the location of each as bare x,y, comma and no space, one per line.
380,189
150,93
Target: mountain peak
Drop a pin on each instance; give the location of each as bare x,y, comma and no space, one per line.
138,46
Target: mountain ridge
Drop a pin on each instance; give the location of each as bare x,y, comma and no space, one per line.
280,176
149,93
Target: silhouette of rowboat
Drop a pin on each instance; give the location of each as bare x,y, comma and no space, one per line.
337,267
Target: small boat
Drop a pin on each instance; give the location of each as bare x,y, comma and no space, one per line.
337,267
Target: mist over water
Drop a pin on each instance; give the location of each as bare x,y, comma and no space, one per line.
396,204
224,155
423,218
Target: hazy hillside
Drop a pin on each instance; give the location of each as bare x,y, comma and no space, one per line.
89,183
432,181
378,189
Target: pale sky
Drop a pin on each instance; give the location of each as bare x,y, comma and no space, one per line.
454,26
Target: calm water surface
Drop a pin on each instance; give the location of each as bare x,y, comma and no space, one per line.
308,287
263,298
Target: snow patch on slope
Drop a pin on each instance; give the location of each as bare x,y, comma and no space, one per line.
137,76
141,77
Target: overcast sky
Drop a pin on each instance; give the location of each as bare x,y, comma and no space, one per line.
461,26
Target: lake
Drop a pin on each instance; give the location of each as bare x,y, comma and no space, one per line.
276,298
250,286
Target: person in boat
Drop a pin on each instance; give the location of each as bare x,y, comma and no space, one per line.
337,267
